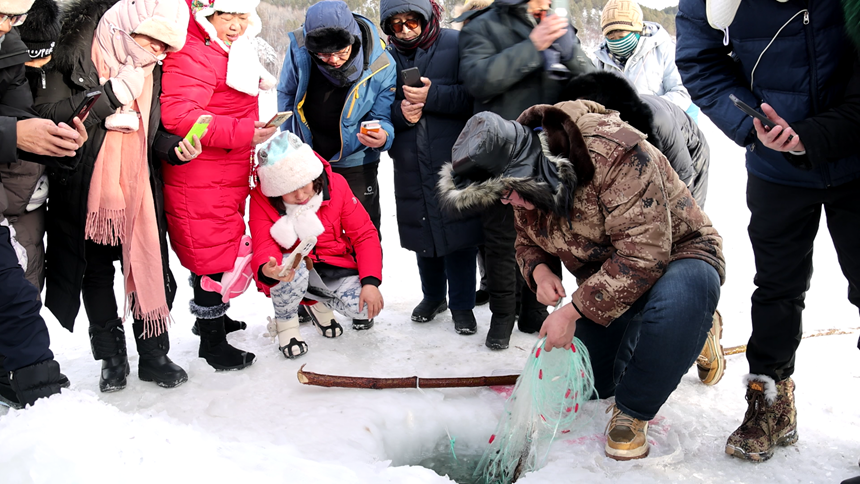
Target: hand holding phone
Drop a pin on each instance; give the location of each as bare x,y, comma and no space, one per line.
84,107
767,123
370,127
295,258
198,129
278,119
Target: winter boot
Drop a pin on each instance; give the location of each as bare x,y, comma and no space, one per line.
324,321
154,364
426,310
36,381
770,420
213,340
362,324
108,343
229,326
711,363
626,436
304,316
499,336
8,397
290,341
482,296
464,321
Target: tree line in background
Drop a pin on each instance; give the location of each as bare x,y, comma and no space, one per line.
280,17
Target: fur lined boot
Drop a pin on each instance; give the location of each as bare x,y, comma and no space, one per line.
213,340
290,341
229,325
154,364
770,420
108,344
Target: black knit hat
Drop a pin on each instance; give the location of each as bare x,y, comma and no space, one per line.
41,29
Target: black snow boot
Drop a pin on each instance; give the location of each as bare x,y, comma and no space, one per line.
213,340
108,343
464,321
8,397
229,325
426,310
154,364
36,381
362,324
304,316
499,336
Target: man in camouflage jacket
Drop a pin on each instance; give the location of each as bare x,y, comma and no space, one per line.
590,193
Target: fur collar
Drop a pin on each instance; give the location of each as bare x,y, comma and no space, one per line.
74,47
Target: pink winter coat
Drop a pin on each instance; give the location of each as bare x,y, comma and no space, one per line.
349,239
205,199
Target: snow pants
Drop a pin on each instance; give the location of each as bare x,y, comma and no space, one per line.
642,355
337,292
453,273
783,224
24,336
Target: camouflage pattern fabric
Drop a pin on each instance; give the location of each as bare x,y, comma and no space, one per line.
766,424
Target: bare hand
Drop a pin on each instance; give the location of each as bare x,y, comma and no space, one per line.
547,31
261,133
373,139
777,138
411,112
559,328
272,270
43,137
188,151
82,131
371,296
417,95
549,288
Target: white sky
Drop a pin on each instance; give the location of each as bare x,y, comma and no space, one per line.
658,4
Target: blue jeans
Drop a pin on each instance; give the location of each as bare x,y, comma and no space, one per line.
641,356
453,273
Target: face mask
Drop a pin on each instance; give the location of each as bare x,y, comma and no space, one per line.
624,46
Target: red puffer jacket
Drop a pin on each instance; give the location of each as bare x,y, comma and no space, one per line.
205,198
348,231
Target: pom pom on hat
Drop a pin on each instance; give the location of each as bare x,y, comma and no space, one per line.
621,15
286,164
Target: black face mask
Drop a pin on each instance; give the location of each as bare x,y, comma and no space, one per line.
346,74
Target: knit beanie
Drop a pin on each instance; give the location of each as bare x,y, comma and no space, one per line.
15,7
286,164
42,28
621,15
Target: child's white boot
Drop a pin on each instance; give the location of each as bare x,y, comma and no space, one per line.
290,341
324,321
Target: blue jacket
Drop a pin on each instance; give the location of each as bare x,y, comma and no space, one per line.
804,72
369,99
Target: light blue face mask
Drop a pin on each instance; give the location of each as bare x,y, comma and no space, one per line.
624,46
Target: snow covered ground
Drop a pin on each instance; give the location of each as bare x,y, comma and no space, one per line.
260,425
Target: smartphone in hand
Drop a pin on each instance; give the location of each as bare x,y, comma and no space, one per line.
302,251
84,107
278,119
198,129
767,123
370,126
412,77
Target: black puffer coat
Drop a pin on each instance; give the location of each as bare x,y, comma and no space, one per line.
501,67
420,150
70,78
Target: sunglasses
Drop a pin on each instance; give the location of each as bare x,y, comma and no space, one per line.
341,54
411,24
14,20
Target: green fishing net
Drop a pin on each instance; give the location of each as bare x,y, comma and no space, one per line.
545,404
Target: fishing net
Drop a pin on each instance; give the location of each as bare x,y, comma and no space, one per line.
544,405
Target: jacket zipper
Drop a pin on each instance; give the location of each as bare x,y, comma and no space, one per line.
352,105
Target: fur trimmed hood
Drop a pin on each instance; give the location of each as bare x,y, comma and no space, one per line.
74,47
614,92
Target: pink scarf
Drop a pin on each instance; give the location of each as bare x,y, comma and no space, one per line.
120,207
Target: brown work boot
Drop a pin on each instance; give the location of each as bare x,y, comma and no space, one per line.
625,436
771,419
712,361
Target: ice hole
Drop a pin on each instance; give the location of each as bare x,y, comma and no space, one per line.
440,459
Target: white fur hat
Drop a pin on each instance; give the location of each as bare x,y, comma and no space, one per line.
15,7
286,164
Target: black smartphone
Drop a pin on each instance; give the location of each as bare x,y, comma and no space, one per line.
84,107
752,112
411,77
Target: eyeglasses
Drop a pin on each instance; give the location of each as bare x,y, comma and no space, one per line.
14,20
507,196
341,54
411,24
